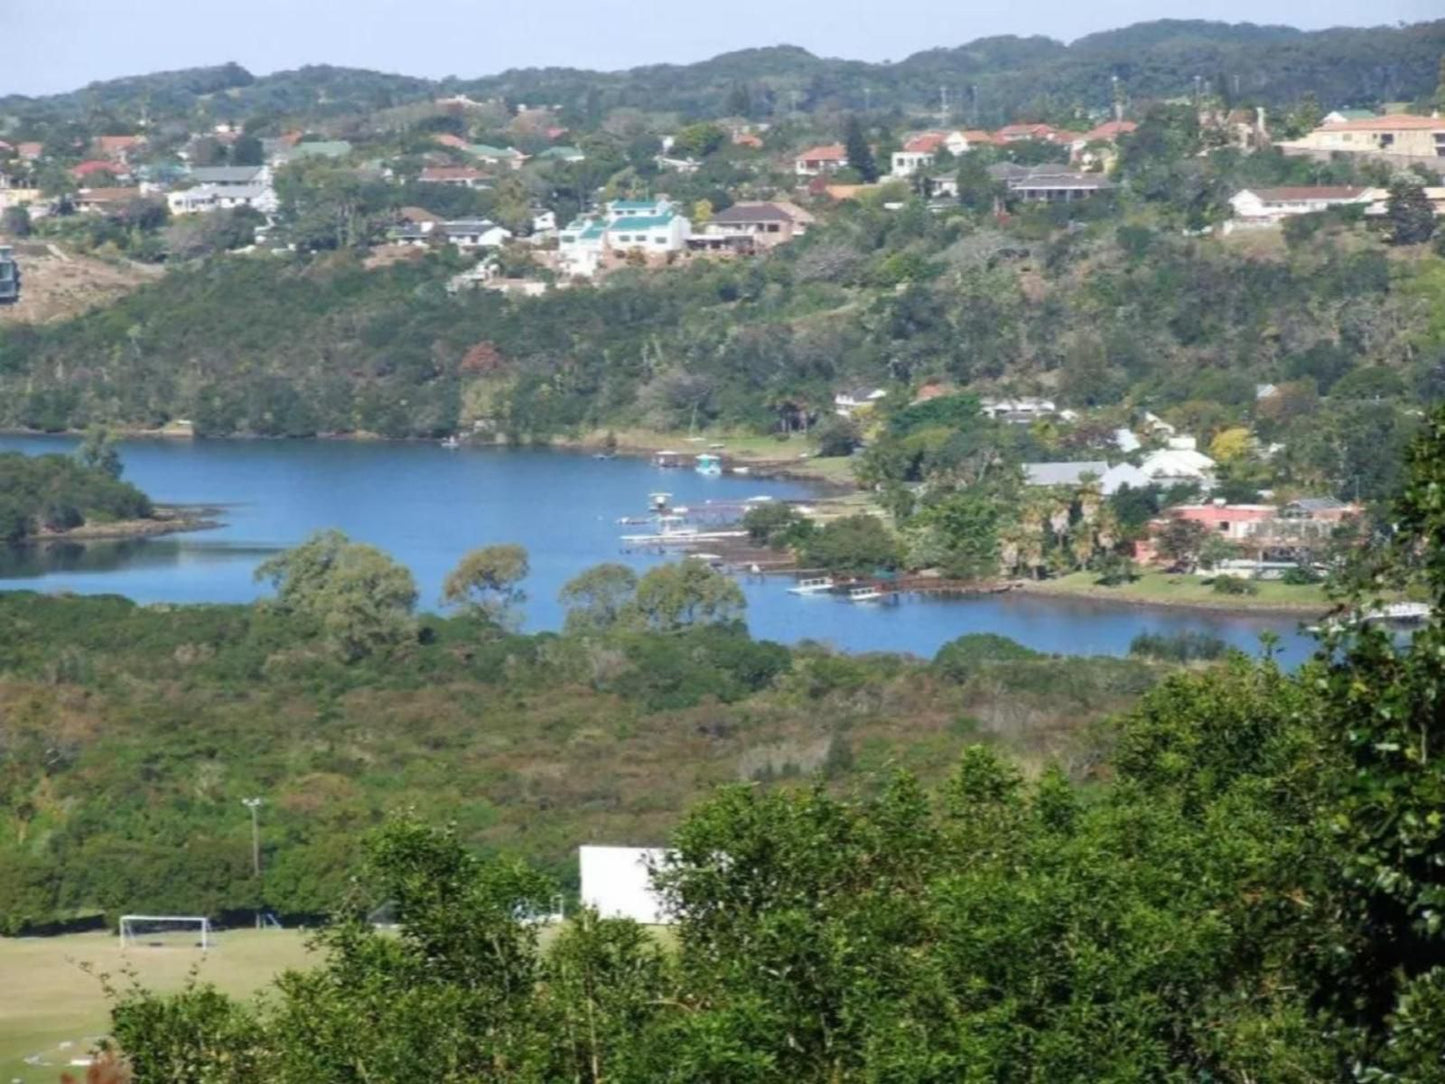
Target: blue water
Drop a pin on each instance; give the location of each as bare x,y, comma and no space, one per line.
427,506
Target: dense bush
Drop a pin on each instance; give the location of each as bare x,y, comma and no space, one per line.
57,493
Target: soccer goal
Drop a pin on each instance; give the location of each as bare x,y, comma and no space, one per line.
165,931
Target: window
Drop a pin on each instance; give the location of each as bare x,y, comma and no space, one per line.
1224,526
1387,139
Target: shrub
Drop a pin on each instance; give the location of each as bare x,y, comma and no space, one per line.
960,659
1234,585
1187,646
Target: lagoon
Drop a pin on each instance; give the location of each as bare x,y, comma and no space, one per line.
426,506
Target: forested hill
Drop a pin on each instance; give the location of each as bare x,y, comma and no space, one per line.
996,79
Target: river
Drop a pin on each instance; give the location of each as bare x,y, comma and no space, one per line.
426,506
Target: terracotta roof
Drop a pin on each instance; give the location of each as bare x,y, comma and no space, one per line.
830,152
29,150
924,142
1111,130
109,195
1024,131
747,139
1298,193
446,139
117,144
1385,124
452,173
417,215
978,135
85,169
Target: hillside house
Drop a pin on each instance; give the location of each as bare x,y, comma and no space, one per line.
818,161
918,153
767,224
466,233
1017,133
1049,183
1380,206
847,403
459,176
496,156
205,198
1170,465
1267,205
1409,138
98,169
650,227
1021,411
104,200
117,148
231,176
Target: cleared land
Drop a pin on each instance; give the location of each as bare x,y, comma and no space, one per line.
56,285
1167,589
47,998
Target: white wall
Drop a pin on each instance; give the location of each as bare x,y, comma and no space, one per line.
615,882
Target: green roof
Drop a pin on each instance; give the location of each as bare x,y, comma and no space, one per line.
483,150
642,222
338,148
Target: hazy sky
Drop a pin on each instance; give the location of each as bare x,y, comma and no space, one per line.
56,45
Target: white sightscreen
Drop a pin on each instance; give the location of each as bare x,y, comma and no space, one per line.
615,883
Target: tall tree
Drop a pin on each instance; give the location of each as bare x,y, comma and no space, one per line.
487,581
1409,212
860,154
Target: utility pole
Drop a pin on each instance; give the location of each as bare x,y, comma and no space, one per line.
254,805
943,106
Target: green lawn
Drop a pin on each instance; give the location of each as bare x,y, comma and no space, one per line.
46,998
1163,588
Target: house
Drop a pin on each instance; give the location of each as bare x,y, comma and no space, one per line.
562,154
95,168
104,200
447,139
1021,411
1110,131
544,223
496,156
1126,441
768,224
1015,133
223,176
1170,465
465,233
677,165
118,148
12,195
847,403
918,152
1323,509
1276,204
460,176
748,140
816,161
1109,479
1403,136
1341,116
318,148
30,150
418,216
649,227
204,198
1381,206
1048,183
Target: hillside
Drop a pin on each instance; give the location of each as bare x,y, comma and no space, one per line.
993,79
59,285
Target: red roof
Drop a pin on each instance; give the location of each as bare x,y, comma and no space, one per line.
555,133
1111,130
86,169
1396,123
924,142
109,195
1011,132
830,152
117,144
452,173
747,139
30,150
978,135
446,139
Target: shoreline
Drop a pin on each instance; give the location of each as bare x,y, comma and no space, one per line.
168,519
1230,607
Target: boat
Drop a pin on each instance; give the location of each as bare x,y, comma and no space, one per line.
866,593
814,586
707,463
451,443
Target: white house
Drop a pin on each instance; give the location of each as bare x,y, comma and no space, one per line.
1178,465
918,152
232,176
1022,410
828,158
465,233
1109,479
845,403
652,227
1275,204
213,197
617,883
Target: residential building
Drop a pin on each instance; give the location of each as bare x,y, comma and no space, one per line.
30,150
103,200
1401,136
562,154
768,224
677,165
465,233
223,176
460,176
1110,131
1170,465
12,195
1341,116
1021,411
447,139
204,198
748,140
97,168
1275,204
1076,474
319,148
118,148
918,152
816,161
496,156
1380,206
1049,183
847,403
1015,133
649,227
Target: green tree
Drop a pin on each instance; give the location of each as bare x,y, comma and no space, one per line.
1180,540
360,597
598,597
860,154
1409,212
855,544
97,452
698,140
16,222
837,437
681,594
486,583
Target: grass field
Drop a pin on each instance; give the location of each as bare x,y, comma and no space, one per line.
46,999
1165,589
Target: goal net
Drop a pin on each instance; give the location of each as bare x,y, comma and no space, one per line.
165,931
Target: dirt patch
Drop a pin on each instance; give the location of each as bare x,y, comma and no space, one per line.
56,284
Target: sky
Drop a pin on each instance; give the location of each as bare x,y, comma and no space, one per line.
58,45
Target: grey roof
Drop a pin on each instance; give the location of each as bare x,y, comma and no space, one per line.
1046,176
739,213
1062,474
1316,504
225,174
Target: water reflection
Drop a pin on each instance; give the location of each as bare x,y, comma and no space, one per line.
114,555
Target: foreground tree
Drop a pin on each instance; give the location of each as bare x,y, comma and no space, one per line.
362,599
486,583
685,593
598,597
1409,212
860,154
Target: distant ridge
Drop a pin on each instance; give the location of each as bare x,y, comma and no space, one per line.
989,80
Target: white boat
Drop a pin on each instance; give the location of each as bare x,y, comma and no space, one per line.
864,594
451,442
708,464
812,587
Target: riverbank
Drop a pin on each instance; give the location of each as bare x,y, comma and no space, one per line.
168,519
1163,589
